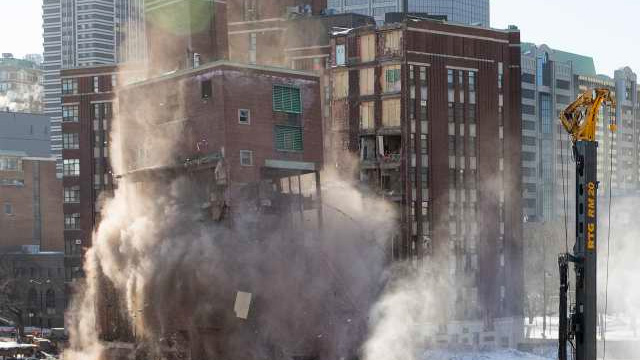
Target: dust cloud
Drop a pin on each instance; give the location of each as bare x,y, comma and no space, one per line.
163,276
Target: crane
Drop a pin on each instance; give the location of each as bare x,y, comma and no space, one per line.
579,328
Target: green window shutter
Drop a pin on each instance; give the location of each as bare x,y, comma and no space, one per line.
288,138
286,99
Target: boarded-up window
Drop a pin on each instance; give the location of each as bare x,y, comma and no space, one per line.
367,116
391,113
367,81
286,99
340,84
390,78
392,42
367,48
288,138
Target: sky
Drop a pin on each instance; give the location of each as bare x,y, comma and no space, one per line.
21,27
609,30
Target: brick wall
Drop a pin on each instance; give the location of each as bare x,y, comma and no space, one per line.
18,227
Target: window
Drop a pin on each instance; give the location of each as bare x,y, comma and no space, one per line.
528,141
367,48
246,157
71,167
528,78
528,125
8,209
340,84
391,78
73,246
72,221
50,299
10,163
545,113
391,113
205,89
72,194
528,94
70,113
288,138
69,86
70,141
253,46
366,81
528,109
114,81
287,99
392,42
563,99
244,116
96,84
563,84
367,121
340,55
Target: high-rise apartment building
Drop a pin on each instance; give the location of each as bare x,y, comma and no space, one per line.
551,80
618,155
548,86
81,33
432,110
628,141
469,12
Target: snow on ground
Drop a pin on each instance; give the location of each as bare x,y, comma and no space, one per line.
618,327
480,355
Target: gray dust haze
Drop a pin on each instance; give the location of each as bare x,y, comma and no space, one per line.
177,273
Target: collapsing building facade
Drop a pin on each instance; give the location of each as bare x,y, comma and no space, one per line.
432,111
226,173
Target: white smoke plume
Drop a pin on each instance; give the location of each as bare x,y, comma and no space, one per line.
403,318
